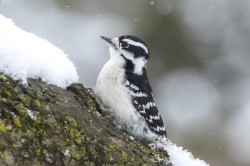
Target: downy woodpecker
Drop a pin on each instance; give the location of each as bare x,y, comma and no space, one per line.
123,85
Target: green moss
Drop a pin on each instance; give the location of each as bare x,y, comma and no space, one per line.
111,146
152,159
40,132
2,127
17,145
23,98
90,103
17,121
79,140
38,152
124,155
37,103
77,136
37,123
145,149
8,93
38,94
58,129
4,100
73,133
71,120
165,158
20,108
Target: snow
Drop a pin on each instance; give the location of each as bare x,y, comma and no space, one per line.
178,155
181,157
131,137
67,152
30,113
24,55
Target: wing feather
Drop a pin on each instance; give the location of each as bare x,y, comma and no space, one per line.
142,97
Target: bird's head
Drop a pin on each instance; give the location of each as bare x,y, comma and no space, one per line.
129,49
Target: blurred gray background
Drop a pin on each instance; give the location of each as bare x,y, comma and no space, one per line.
199,67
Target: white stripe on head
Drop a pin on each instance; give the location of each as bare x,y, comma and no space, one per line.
138,44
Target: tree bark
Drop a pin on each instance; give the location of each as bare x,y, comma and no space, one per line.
42,124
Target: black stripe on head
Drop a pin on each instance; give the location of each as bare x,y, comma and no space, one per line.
134,45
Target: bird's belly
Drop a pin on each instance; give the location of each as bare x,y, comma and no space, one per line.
110,89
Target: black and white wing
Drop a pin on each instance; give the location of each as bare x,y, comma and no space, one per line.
143,100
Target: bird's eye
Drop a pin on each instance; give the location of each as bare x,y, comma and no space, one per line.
124,45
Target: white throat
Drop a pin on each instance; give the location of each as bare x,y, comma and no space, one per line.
115,56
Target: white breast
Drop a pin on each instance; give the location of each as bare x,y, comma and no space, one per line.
110,89
112,93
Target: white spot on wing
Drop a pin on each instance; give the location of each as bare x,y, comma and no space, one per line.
127,83
148,105
137,94
134,87
159,128
157,117
151,118
142,112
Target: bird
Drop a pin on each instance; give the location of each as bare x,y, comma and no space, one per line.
123,86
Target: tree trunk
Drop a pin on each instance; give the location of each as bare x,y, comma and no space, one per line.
42,124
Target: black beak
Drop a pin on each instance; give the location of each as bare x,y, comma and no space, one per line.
108,40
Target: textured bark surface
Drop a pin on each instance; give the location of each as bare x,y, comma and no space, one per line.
42,124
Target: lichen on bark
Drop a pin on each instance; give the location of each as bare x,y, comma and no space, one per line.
42,124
